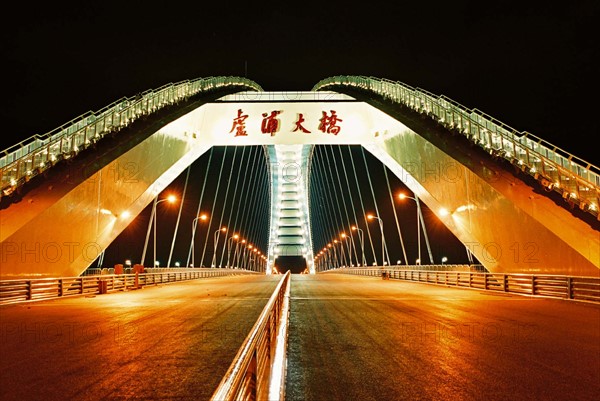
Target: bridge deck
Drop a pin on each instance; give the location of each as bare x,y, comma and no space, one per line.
169,342
360,338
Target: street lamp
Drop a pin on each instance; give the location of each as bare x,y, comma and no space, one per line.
216,239
228,244
248,256
341,257
420,221
336,263
373,217
343,236
362,243
237,254
444,260
202,217
152,223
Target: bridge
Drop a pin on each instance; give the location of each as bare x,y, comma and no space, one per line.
524,210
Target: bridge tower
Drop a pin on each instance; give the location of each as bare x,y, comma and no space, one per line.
290,231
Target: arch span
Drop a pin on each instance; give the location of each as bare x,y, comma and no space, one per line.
505,224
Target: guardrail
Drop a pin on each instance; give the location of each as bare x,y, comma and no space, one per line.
563,287
259,368
577,180
28,158
437,267
15,291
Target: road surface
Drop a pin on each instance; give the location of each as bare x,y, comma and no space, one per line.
364,338
173,341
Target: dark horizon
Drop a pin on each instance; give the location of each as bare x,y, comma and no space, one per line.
529,66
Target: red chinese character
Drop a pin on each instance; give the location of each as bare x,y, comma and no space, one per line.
327,123
239,124
270,124
299,124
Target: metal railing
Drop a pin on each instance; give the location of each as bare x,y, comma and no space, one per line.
259,368
15,291
545,285
436,267
20,162
557,170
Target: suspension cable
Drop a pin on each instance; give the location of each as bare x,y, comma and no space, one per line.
353,207
228,225
331,223
362,204
337,173
195,221
252,200
256,197
395,215
424,230
213,205
384,247
339,224
224,205
242,194
187,176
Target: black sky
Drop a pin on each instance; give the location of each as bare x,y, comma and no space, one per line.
527,64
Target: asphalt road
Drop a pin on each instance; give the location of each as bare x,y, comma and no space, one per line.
363,338
170,342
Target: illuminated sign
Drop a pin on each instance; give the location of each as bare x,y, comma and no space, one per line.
285,123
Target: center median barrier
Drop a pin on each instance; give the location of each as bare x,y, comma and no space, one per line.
259,368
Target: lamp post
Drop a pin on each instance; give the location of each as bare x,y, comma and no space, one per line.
202,217
152,223
335,259
373,217
420,222
216,239
247,256
236,255
235,237
362,243
344,237
252,261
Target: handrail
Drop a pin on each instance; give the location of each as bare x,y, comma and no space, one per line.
578,288
25,290
258,369
28,158
577,180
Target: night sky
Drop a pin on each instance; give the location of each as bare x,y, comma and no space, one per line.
528,65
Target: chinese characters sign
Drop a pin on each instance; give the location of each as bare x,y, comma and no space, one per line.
285,123
328,123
